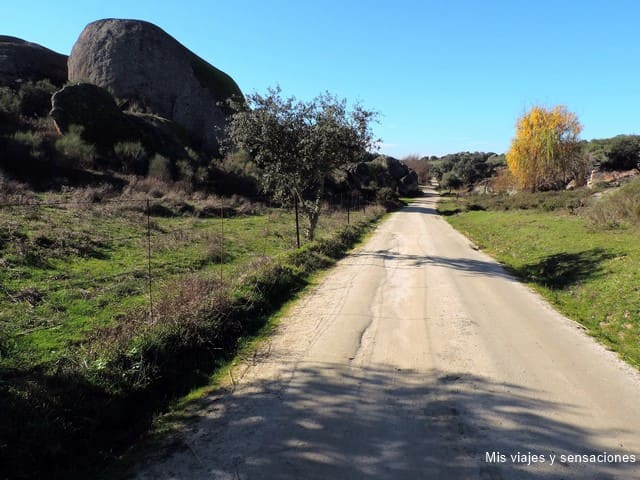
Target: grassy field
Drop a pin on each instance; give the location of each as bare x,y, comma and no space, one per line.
590,272
90,350
69,268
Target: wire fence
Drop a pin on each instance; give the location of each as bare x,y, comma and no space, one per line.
84,261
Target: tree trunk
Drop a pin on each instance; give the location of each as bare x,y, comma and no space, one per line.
312,209
313,215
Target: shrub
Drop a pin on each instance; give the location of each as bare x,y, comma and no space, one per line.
9,101
150,186
132,156
186,171
621,205
74,148
216,251
160,168
237,174
546,201
622,153
35,98
503,181
386,194
30,141
451,181
388,198
24,155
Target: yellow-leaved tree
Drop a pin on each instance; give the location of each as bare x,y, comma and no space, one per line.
546,150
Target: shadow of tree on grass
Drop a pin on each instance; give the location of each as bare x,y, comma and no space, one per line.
562,270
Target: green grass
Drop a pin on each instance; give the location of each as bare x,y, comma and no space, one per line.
84,367
70,269
590,274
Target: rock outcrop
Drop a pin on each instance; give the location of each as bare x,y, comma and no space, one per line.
138,61
21,61
103,123
89,106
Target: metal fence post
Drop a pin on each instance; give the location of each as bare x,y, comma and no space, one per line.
221,240
149,259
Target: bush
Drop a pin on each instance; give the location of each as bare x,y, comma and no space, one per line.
545,201
621,205
385,195
132,156
24,156
160,168
9,101
74,148
388,198
31,142
216,250
451,181
237,174
35,98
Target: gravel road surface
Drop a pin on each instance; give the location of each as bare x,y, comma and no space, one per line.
417,357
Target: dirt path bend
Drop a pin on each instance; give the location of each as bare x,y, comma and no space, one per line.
418,357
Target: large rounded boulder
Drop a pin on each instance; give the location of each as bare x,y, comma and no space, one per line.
140,62
89,107
94,110
22,61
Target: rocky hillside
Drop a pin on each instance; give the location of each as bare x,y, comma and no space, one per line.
130,99
140,62
22,61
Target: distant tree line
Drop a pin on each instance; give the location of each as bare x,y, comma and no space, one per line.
464,168
621,152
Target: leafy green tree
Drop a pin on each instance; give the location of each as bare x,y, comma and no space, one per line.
623,152
451,181
297,145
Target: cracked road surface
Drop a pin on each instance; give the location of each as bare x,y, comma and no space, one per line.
417,357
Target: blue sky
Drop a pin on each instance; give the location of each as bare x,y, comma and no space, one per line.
446,76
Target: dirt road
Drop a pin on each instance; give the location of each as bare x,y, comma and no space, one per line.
418,357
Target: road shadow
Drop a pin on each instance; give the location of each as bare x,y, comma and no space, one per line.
557,272
418,208
420,205
408,261
331,421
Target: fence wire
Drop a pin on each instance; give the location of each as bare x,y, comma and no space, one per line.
60,257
